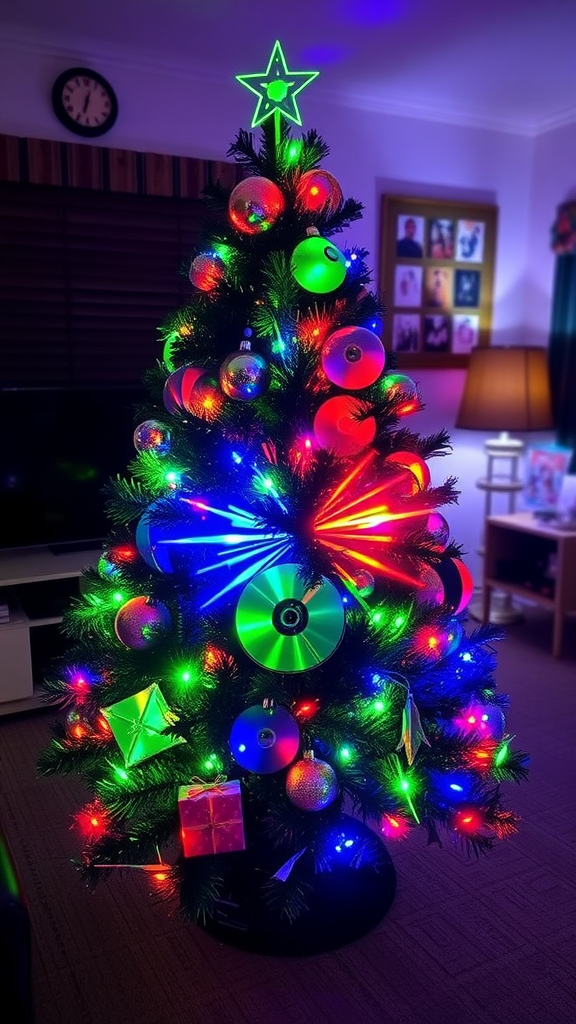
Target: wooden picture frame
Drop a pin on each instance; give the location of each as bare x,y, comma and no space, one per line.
436,279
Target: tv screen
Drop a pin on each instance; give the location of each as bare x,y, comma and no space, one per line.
60,447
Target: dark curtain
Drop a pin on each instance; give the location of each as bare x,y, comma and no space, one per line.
563,352
563,333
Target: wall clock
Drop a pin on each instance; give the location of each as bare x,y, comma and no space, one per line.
84,102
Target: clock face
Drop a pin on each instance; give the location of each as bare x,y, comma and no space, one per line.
84,102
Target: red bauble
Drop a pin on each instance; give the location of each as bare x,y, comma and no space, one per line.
414,463
318,192
337,425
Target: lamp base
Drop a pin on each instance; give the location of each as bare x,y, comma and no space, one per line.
503,611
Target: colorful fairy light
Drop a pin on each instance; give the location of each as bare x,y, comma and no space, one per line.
92,821
394,826
467,821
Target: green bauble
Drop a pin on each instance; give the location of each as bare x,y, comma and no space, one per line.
317,265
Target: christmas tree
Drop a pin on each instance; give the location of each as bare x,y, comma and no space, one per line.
270,671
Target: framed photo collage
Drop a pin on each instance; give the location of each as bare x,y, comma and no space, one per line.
436,279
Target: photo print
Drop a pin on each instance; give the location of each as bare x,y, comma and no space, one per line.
407,285
410,237
438,287
467,288
437,333
440,239
465,327
406,332
470,242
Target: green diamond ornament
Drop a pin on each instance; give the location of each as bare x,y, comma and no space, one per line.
277,88
138,725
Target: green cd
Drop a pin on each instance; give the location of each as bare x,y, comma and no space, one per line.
285,626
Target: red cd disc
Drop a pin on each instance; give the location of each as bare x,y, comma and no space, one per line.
337,426
353,357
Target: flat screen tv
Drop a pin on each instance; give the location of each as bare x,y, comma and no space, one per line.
60,446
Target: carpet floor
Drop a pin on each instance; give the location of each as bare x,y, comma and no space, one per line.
489,941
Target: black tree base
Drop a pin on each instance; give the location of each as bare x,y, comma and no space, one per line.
343,903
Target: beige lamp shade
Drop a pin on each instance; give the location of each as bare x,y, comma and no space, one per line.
507,389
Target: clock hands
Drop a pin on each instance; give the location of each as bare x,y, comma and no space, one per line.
86,102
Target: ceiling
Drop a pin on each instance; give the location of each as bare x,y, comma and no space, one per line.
508,64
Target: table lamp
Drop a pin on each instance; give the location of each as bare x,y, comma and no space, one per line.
506,389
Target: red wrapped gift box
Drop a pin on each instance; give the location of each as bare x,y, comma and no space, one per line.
211,818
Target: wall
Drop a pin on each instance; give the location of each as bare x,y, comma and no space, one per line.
371,153
553,182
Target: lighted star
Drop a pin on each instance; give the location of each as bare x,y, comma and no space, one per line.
277,88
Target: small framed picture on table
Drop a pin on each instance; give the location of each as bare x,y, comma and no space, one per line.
546,468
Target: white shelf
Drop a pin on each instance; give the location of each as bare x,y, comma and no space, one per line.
20,568
32,565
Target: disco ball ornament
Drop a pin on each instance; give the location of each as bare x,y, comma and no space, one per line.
404,391
255,205
152,436
431,588
112,560
439,530
207,271
178,387
140,622
364,582
244,375
78,727
317,265
353,358
311,785
339,428
318,192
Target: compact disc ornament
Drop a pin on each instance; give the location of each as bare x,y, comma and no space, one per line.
284,625
338,426
457,582
438,528
264,739
311,785
178,387
353,357
255,205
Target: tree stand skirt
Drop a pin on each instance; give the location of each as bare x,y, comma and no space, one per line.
343,903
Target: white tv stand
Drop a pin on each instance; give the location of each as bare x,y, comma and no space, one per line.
29,572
